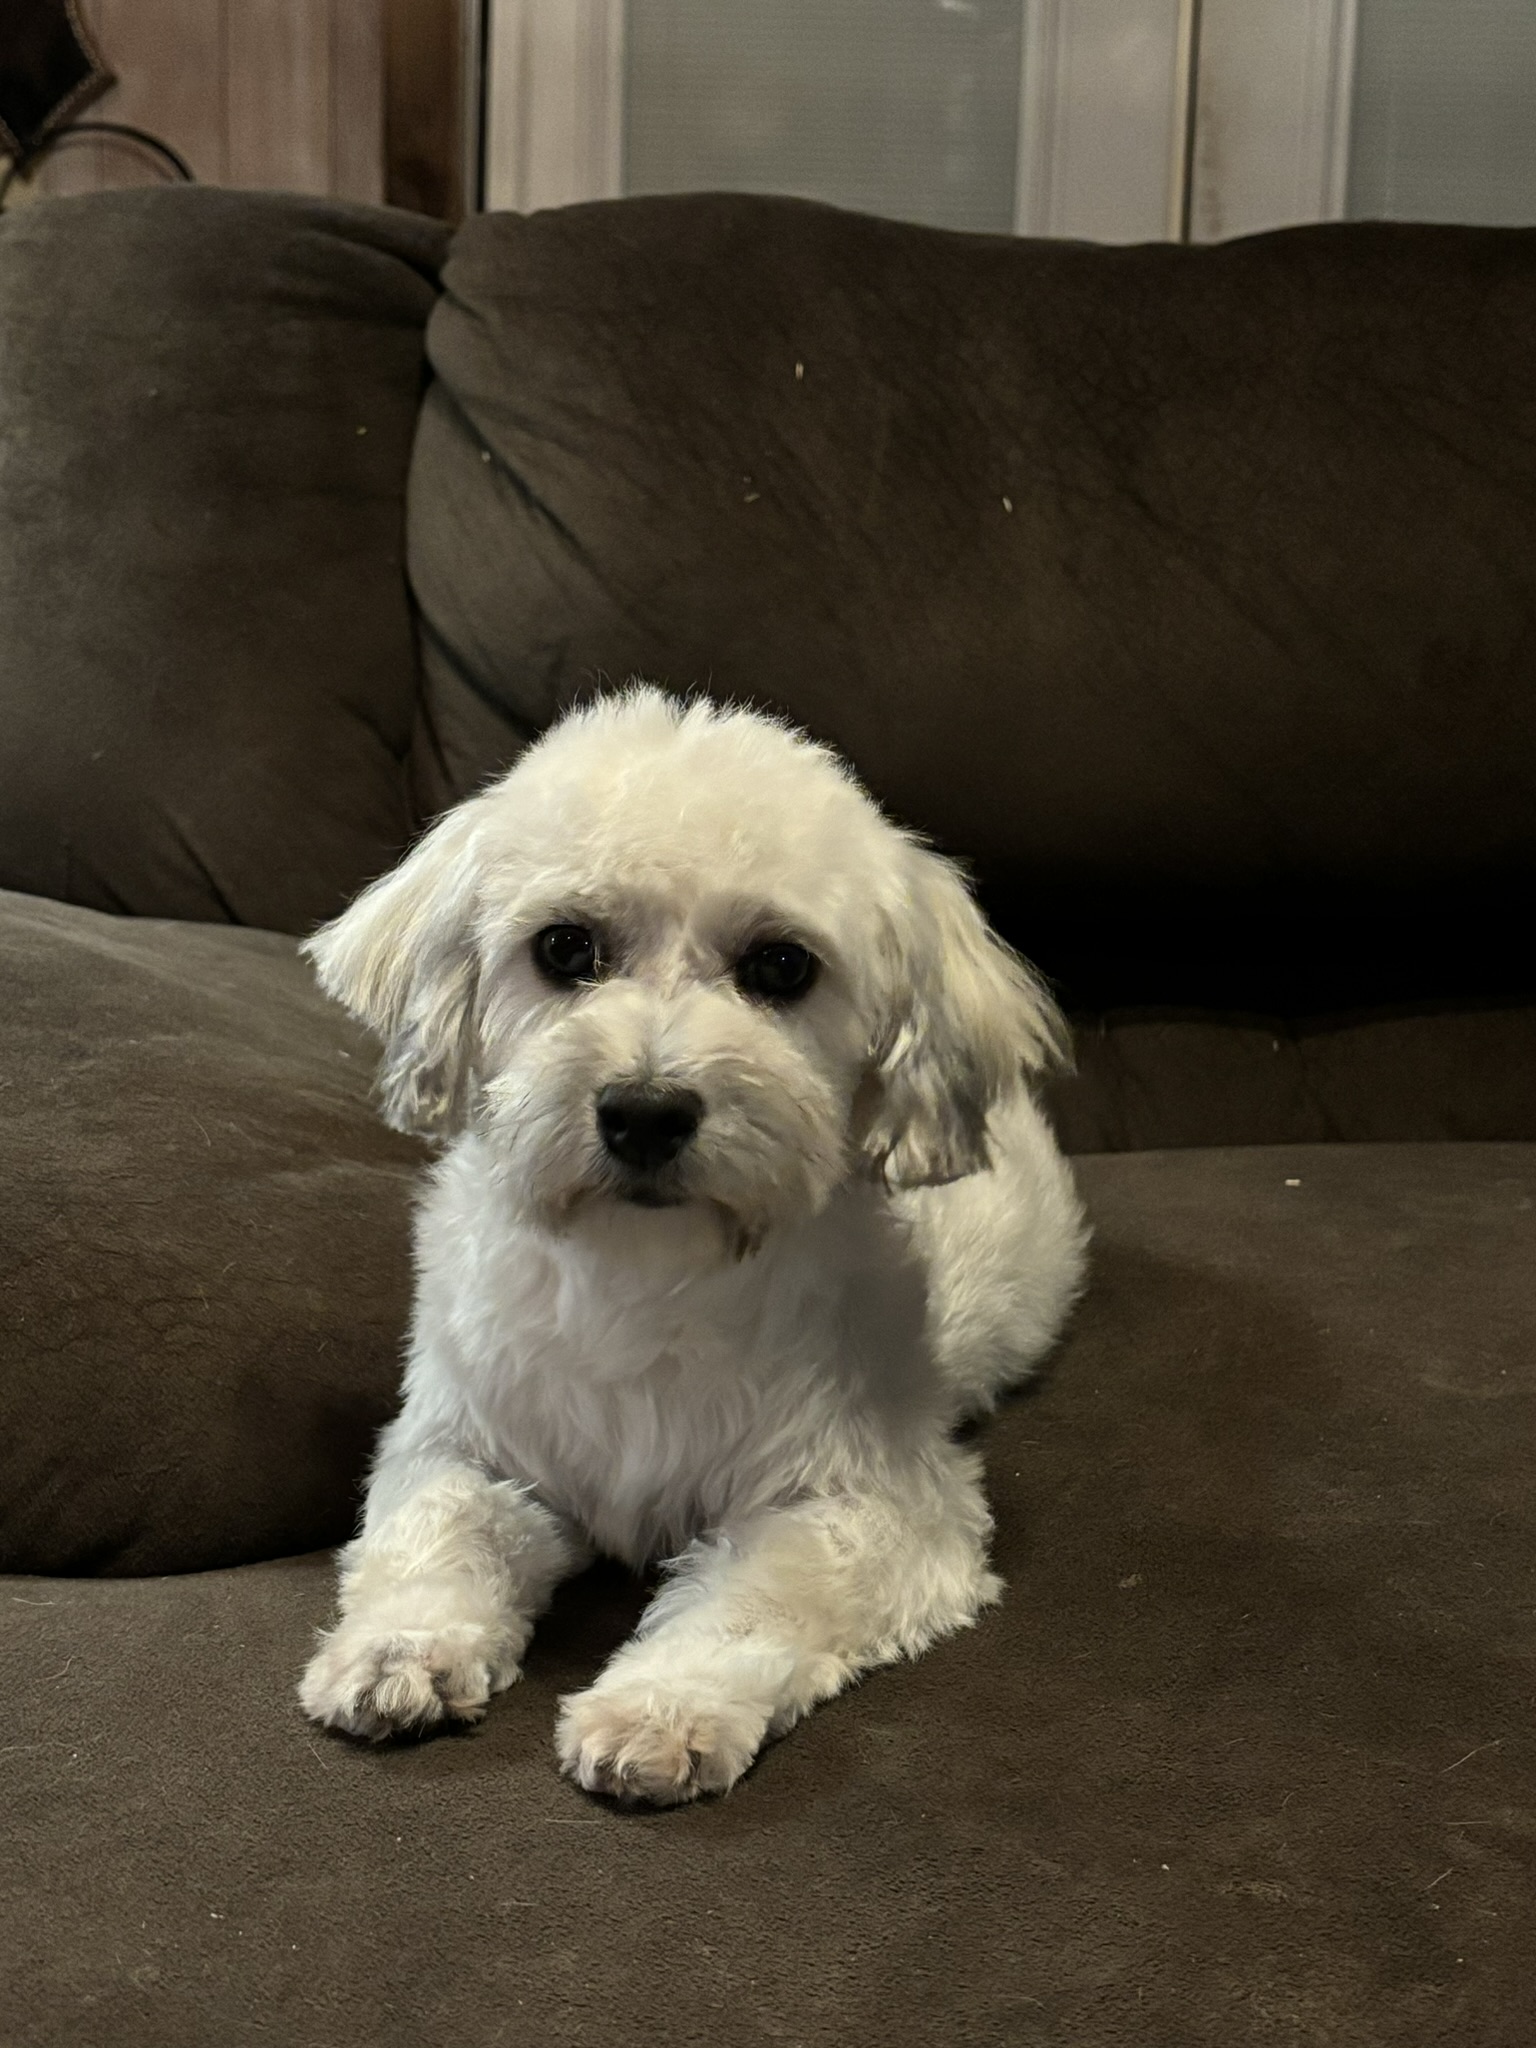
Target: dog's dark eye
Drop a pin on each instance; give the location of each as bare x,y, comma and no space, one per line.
566,952
780,972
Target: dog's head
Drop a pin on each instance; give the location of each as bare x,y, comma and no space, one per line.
677,957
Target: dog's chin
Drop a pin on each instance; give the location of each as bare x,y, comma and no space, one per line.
656,1233
640,1217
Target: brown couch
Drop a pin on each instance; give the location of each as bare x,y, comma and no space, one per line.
1191,594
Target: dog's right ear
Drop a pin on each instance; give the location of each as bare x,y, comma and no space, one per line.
966,1021
404,961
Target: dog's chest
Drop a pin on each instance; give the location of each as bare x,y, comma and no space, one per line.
647,1383
644,1461
650,1403
647,1421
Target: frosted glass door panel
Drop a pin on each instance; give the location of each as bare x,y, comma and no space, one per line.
1444,121
902,107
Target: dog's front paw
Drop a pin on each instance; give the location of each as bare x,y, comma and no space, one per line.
379,1682
659,1745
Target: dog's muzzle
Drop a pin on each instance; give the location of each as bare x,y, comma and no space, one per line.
645,1126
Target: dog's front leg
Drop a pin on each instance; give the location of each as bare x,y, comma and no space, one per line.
438,1597
765,1618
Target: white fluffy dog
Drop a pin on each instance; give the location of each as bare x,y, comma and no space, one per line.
745,1204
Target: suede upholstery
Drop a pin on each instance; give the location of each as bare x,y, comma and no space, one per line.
1145,1080
1245,1756
207,674
207,1262
1231,706
1183,590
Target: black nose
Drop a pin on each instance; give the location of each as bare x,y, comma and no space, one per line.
646,1125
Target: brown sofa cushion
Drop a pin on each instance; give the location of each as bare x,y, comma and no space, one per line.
207,669
206,1270
1143,1082
1191,592
1244,1760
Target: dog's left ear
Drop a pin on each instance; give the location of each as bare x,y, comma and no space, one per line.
403,960
966,1021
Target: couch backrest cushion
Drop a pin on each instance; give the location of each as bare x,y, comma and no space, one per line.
1190,592
207,669
1148,1081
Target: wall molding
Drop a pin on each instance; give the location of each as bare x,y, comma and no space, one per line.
1275,84
1100,119
554,102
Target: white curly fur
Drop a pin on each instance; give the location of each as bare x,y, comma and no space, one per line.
870,1234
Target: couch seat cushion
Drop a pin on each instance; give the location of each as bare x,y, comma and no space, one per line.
1245,1756
206,1269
